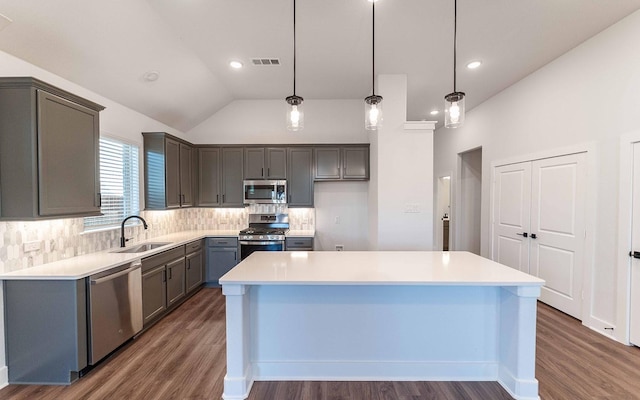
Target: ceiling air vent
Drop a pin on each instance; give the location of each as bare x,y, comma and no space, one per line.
265,61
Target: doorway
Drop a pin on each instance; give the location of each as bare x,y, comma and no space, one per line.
443,213
468,219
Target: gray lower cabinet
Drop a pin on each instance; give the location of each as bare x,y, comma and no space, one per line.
341,163
176,285
222,255
49,151
298,243
300,177
195,266
46,330
163,283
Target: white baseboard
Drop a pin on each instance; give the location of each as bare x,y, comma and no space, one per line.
4,376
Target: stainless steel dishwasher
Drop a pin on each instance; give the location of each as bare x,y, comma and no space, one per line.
115,308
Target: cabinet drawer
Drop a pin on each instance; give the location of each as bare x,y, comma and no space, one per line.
163,258
299,243
193,246
222,242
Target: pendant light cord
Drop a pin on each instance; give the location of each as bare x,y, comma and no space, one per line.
455,40
294,47
373,48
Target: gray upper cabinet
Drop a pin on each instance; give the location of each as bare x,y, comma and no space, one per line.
355,163
265,163
168,171
232,173
327,163
300,179
49,151
209,177
341,163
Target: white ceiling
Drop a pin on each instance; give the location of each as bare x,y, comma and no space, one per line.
107,46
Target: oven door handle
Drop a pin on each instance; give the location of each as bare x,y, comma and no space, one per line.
260,243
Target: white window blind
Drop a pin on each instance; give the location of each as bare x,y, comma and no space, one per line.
119,183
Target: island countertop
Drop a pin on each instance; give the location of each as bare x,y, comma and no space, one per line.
375,268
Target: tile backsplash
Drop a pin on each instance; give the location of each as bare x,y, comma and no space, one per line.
64,238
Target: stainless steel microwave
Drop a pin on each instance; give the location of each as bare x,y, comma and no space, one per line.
265,191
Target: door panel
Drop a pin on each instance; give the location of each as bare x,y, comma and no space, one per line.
512,196
634,309
557,220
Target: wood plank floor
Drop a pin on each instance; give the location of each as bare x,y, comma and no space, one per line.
183,357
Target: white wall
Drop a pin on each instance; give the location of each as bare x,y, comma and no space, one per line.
337,221
468,217
403,162
589,96
263,122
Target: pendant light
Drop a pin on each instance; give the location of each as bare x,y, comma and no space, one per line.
295,112
373,103
454,101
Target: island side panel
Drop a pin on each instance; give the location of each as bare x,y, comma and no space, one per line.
239,377
517,352
374,332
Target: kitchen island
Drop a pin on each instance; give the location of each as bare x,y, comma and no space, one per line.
420,316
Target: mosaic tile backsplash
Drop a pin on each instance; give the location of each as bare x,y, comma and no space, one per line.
64,238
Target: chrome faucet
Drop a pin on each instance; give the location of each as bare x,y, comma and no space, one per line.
122,239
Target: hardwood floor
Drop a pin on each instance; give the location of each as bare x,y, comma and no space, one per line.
183,357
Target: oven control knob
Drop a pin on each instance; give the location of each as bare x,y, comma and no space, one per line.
261,237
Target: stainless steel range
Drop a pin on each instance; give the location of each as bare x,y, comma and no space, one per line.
266,232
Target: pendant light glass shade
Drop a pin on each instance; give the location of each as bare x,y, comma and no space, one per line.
295,113
372,112
373,103
454,110
454,102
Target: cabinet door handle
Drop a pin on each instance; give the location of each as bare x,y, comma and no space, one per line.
223,198
217,198
261,171
164,275
170,273
99,199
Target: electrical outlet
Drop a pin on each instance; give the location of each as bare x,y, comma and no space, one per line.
339,247
31,246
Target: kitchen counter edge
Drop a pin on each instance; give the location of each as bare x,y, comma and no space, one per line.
85,265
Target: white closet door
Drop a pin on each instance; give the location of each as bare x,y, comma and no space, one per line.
634,323
512,204
558,223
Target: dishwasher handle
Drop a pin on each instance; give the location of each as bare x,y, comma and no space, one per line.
117,274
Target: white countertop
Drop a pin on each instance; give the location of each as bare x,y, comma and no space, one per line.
374,268
89,264
301,233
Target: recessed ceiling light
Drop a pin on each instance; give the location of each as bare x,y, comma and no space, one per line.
434,112
474,64
151,76
235,64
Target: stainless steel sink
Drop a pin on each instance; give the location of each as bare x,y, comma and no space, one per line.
140,248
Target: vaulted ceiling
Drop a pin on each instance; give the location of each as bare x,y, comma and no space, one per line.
107,46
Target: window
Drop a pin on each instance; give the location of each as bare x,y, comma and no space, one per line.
119,183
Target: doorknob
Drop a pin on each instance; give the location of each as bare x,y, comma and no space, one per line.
524,234
533,236
634,254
